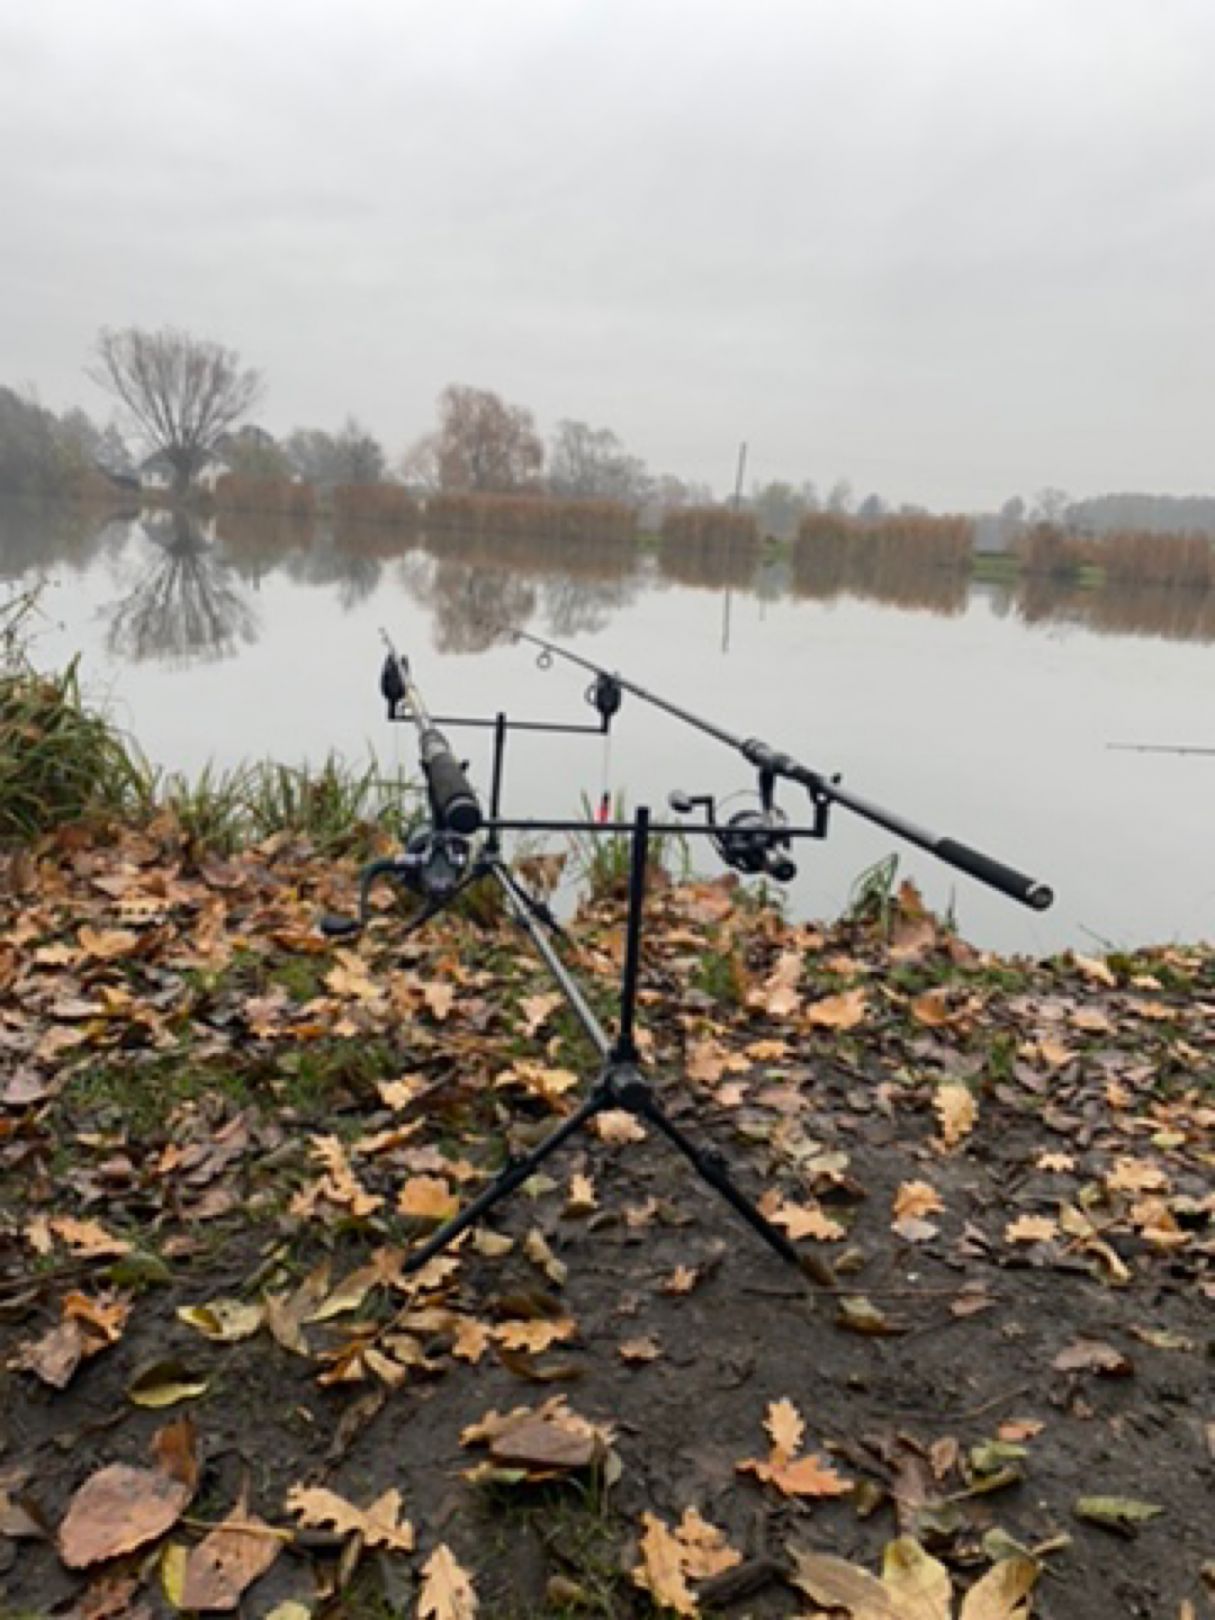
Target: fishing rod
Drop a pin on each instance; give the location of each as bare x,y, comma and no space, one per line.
1157,748
824,791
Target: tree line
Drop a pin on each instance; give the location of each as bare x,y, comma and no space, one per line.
187,401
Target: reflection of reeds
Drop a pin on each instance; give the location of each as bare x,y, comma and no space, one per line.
533,553
709,546
1173,613
272,496
908,560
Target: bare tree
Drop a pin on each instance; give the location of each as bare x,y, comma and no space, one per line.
591,463
484,444
183,393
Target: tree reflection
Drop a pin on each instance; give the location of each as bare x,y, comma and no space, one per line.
828,567
470,605
1171,612
186,605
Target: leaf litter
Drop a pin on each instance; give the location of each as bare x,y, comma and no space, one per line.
219,1139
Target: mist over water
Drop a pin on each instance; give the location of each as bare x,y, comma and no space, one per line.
983,712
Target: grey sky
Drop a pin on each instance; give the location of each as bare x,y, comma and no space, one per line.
950,249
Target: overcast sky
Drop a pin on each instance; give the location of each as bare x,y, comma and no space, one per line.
949,249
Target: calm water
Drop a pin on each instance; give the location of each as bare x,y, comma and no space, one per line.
984,714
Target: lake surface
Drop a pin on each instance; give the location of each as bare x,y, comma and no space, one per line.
981,712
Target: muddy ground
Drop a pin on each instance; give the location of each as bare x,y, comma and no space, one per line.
204,1102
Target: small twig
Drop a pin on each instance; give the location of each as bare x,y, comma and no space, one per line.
240,1527
860,1289
996,1400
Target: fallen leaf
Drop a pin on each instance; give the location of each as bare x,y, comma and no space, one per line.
1032,1229
844,1011
535,1336
834,1584
1093,1355
228,1560
1121,1513
121,1508
165,1382
661,1570
915,1199
226,1321
785,1427
447,1590
957,1111
918,1584
1001,1593
380,1525
640,1350
427,1198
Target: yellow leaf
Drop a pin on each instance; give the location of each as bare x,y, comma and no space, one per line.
839,1012
428,1198
1095,970
916,1199
919,1586
706,1551
785,1429
87,1238
957,1111
932,1009
1031,1229
447,1590
802,1222
107,944
535,1336
1001,1593
380,1525
661,1570
582,1199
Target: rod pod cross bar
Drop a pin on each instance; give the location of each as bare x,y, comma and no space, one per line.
823,790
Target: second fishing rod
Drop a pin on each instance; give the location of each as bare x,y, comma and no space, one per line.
774,764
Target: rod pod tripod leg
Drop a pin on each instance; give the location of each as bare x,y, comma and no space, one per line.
620,1083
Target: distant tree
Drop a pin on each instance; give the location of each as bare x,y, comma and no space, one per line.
1050,505
779,508
839,498
592,464
182,393
33,459
251,452
351,456
485,445
1013,510
872,508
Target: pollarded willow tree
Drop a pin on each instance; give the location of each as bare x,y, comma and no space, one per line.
183,393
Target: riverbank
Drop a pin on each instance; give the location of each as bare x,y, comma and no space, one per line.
221,1135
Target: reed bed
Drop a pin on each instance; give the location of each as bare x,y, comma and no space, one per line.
375,503
274,496
709,526
1139,557
537,516
1054,553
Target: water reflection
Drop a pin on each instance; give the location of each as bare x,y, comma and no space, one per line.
828,569
186,603
189,596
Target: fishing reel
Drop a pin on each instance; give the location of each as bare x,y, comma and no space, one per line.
753,841
433,865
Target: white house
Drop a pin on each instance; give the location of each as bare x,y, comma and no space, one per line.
157,474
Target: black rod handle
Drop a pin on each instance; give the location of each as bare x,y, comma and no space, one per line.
452,800
1005,878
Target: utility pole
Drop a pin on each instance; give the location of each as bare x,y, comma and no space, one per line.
738,484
